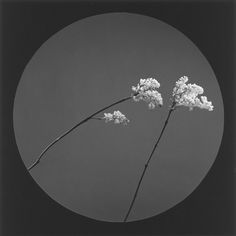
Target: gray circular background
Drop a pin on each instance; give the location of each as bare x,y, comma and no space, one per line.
94,171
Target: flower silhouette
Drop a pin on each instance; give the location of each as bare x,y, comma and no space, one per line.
146,90
187,95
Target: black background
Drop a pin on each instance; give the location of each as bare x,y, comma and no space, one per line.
26,209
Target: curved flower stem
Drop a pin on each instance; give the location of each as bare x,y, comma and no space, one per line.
148,161
96,118
74,127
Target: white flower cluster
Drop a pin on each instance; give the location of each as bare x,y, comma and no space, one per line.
146,90
187,95
117,117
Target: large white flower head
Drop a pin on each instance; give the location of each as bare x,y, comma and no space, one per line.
146,90
187,95
117,117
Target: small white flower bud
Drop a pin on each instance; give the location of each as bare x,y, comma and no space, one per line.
117,117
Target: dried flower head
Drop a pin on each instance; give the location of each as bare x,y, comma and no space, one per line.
187,95
146,90
117,117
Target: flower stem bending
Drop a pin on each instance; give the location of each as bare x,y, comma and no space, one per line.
148,161
74,127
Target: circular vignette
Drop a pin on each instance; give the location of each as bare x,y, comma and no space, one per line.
94,170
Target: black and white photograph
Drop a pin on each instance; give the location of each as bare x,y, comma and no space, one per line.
117,118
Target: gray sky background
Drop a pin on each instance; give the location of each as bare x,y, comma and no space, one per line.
94,170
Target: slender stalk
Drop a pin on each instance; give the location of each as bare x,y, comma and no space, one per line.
147,163
96,118
74,127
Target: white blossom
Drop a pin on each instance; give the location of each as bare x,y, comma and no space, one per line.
117,117
187,95
146,90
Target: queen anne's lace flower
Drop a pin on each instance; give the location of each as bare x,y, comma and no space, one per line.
146,90
187,95
117,117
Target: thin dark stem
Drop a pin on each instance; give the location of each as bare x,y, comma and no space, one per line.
147,163
96,118
74,127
